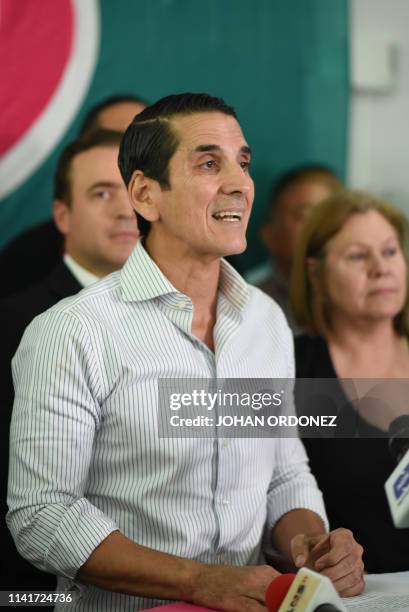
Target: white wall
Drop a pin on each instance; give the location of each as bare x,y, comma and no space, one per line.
379,113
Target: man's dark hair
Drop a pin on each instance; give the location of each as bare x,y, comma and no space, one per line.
300,174
150,140
98,138
91,121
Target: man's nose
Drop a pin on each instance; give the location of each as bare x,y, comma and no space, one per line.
236,180
122,207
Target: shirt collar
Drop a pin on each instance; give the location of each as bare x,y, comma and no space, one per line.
141,279
233,286
83,276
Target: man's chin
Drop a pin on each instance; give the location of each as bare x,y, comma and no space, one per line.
236,249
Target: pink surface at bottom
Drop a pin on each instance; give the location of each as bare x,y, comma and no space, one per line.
180,606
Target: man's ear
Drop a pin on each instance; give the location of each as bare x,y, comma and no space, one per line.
270,237
143,194
62,216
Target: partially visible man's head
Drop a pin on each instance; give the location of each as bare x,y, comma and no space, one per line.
189,150
113,113
91,205
292,198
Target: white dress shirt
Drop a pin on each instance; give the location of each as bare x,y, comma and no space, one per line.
83,276
85,454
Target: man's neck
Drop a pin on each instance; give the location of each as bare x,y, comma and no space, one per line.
197,279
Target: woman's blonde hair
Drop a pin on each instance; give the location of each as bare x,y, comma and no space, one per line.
324,222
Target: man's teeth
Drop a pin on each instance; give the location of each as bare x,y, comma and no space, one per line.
228,216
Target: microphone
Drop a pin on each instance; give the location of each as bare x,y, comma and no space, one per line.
399,436
306,591
397,485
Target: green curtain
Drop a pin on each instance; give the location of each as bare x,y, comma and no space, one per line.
283,64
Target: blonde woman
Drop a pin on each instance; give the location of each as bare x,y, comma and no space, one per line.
349,291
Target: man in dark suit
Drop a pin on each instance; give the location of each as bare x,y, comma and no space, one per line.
92,211
18,273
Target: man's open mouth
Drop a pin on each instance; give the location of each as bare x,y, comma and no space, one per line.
228,216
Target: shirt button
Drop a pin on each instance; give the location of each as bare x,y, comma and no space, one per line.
225,502
226,444
183,304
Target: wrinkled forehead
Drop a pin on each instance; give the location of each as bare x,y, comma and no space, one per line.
208,128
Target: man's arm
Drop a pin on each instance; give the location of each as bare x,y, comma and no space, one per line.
301,537
299,526
292,524
56,417
118,564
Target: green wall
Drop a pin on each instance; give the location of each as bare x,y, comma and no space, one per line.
281,63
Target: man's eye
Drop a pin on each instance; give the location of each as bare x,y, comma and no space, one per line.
390,252
245,165
210,163
103,194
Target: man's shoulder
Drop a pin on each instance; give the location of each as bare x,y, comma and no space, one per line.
57,284
265,304
269,330
104,295
19,309
18,270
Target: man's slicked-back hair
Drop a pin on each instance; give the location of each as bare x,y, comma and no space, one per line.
98,138
150,141
91,120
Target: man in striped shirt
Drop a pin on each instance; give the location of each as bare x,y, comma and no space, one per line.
127,518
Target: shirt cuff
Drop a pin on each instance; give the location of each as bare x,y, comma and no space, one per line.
65,536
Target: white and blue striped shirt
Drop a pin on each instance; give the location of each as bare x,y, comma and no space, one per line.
86,458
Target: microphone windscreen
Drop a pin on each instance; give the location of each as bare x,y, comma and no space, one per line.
277,590
399,437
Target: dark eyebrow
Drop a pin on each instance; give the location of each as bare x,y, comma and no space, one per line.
102,184
209,148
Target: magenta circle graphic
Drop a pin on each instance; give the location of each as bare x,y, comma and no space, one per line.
35,45
48,50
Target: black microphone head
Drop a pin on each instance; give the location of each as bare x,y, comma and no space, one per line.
327,608
399,436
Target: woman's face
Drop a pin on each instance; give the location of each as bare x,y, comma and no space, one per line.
365,270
